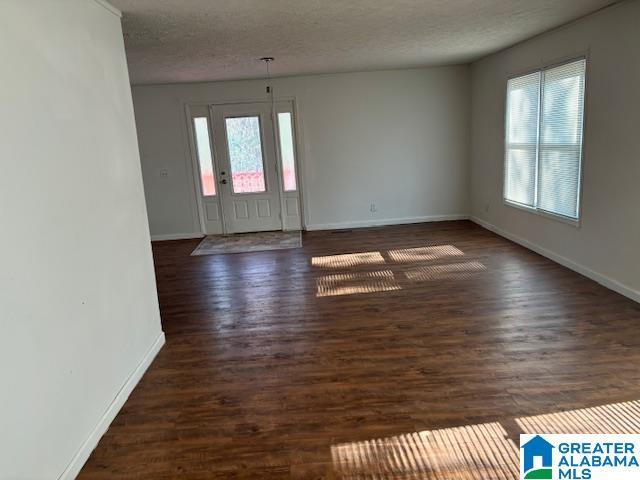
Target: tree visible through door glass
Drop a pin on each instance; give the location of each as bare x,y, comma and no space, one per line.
245,154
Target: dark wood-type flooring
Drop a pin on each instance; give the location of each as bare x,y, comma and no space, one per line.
423,357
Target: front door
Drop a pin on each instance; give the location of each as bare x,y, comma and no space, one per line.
248,174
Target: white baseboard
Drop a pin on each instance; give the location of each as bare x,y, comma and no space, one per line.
176,236
336,226
82,455
384,222
608,282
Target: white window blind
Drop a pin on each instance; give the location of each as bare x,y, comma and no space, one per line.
523,104
543,148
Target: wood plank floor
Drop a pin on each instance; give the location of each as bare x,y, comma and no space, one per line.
336,359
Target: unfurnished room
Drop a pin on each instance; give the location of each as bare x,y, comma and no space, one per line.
320,239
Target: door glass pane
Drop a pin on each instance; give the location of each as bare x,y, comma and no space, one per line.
245,154
203,146
286,150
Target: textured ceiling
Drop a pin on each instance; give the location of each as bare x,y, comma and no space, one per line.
171,41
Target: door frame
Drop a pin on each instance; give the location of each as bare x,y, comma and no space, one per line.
194,167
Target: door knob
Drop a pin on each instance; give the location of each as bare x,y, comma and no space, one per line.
223,181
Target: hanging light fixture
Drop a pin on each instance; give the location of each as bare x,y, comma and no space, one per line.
269,90
267,61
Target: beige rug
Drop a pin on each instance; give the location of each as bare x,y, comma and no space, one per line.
248,242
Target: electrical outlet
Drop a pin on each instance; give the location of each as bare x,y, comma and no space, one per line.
164,172
373,208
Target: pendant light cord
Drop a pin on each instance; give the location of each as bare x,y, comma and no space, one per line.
267,61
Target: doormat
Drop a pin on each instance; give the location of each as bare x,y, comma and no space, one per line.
248,242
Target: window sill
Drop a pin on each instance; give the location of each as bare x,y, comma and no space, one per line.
559,218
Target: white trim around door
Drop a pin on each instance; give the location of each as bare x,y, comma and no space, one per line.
271,200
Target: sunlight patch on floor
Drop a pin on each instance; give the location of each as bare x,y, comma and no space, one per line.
475,452
352,283
611,418
422,254
453,271
472,452
348,260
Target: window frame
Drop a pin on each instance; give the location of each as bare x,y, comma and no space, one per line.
576,222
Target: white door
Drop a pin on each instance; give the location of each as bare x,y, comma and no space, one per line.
248,177
205,170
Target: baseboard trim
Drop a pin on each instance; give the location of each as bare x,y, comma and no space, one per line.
336,226
385,222
603,280
82,455
176,236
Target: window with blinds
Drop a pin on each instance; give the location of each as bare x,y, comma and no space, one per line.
543,139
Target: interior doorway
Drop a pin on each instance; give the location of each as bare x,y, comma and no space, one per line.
245,167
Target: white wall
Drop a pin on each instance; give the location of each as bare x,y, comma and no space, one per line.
398,139
605,247
78,306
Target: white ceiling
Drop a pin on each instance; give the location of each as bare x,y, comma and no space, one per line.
171,41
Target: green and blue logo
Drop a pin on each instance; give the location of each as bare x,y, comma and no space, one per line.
536,459
580,457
